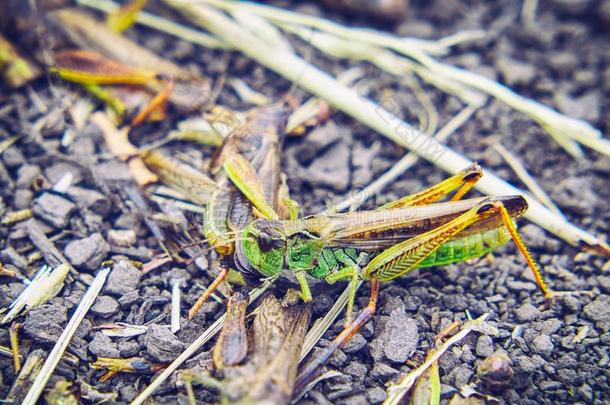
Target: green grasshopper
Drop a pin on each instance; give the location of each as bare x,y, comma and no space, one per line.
413,232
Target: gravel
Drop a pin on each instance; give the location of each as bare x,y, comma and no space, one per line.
105,306
558,351
87,253
161,344
102,346
123,278
44,324
53,209
396,337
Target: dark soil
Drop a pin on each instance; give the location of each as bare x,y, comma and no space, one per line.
563,61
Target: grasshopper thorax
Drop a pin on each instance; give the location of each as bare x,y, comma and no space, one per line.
262,248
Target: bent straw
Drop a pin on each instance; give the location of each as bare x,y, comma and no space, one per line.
565,130
373,115
59,348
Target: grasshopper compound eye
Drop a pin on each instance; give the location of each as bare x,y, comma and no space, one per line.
268,242
486,208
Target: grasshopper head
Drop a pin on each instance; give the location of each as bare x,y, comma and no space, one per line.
262,248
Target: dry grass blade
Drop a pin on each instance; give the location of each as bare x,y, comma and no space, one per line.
6,143
90,34
176,300
59,348
88,67
374,116
17,216
14,337
161,24
208,334
515,164
427,390
314,382
125,16
26,376
119,145
198,187
247,94
384,59
51,254
46,285
565,130
121,329
397,391
362,35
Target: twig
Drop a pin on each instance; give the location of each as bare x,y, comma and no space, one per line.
208,334
59,348
356,200
51,254
374,116
176,298
528,11
527,179
397,391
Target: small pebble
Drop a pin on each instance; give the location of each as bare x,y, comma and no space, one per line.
161,344
129,348
105,306
53,209
526,312
87,253
45,323
355,344
122,237
123,278
90,199
102,346
376,395
382,372
598,310
397,337
542,344
484,346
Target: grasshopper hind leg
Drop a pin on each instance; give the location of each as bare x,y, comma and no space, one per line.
460,183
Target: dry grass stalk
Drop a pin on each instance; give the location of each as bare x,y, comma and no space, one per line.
62,343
